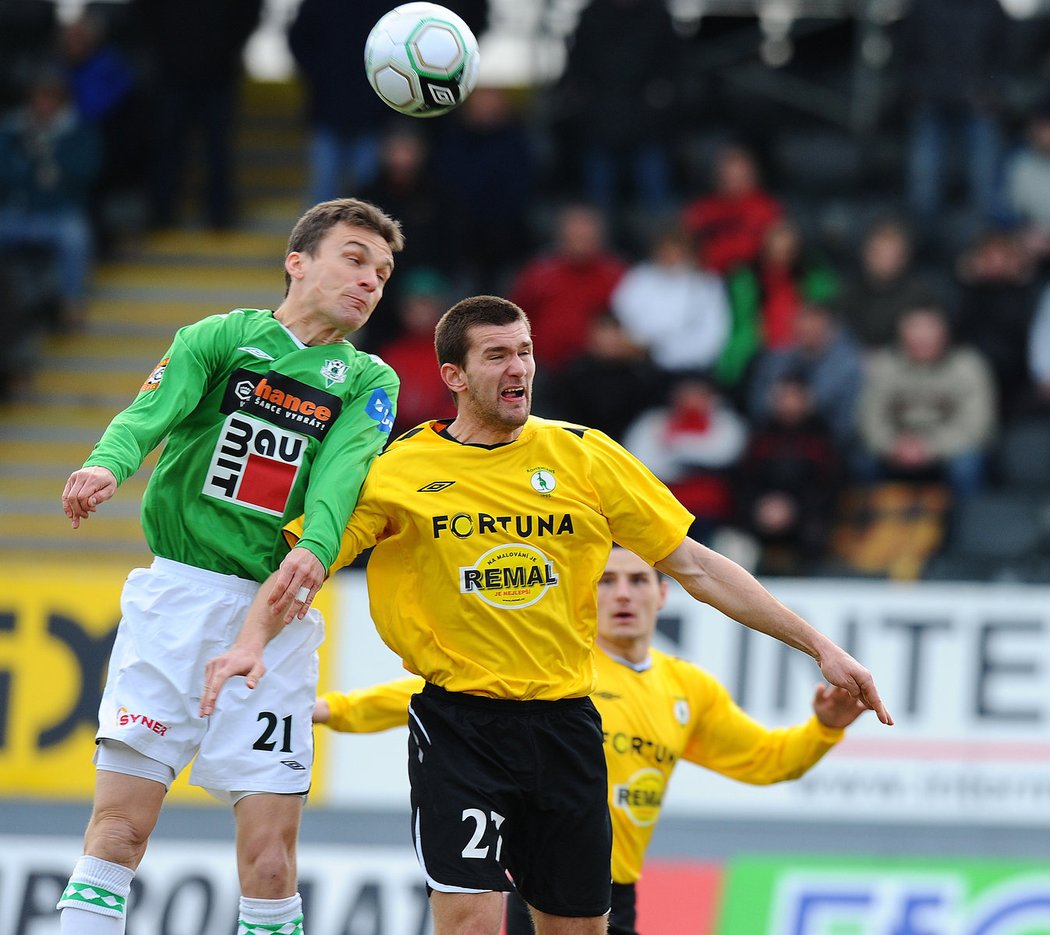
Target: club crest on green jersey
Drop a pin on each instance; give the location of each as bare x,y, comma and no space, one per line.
334,371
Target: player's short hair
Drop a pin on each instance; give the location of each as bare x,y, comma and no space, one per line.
452,334
311,228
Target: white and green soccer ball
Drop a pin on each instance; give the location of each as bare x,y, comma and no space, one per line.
422,59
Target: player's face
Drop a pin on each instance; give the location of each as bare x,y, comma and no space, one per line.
630,593
343,281
498,376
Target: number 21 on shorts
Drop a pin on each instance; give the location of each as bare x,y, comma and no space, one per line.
474,850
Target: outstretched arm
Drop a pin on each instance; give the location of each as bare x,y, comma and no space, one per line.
368,710
716,580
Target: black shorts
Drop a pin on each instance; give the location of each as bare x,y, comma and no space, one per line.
622,917
512,789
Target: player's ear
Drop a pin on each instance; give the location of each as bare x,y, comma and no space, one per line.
454,377
293,264
663,592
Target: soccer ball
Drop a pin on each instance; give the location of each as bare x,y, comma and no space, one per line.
421,59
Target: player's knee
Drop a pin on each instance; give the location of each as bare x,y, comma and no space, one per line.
268,869
466,926
116,836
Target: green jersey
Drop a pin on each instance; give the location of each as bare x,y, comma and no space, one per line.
260,429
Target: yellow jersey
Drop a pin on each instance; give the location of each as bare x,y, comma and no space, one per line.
486,561
370,710
651,718
674,710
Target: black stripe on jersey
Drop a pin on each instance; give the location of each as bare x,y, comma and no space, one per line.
442,429
575,429
409,433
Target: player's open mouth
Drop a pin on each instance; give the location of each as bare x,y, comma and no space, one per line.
513,392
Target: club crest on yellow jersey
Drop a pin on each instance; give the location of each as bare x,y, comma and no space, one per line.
543,481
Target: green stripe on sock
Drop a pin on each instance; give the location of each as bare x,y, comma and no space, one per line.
295,927
87,896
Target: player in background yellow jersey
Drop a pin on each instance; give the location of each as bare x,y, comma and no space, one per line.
656,711
490,534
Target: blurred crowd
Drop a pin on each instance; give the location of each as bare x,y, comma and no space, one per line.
803,329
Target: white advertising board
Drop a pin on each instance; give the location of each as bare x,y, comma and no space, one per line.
964,669
190,888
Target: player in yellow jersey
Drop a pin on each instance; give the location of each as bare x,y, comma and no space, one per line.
656,711
490,534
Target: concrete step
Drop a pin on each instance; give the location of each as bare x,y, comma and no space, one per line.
44,493
31,452
88,384
214,246
120,556
28,418
163,279
62,454
54,528
94,346
115,314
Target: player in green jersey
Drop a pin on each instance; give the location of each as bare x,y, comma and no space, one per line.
267,414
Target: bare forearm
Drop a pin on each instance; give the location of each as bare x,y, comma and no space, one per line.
261,623
245,656
722,583
716,580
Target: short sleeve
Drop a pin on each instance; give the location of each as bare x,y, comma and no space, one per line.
643,515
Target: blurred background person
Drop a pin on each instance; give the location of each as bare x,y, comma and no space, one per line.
423,298
690,443
1027,180
1039,353
954,61
483,157
823,355
567,285
996,302
345,116
787,482
407,187
617,113
609,384
884,284
928,408
770,290
677,312
107,90
195,48
730,222
49,163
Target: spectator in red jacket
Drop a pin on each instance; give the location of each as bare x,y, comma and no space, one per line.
730,224
564,290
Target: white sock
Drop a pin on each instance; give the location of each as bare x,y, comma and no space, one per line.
95,899
271,916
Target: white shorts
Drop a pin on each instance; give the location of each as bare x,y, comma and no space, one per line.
175,618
